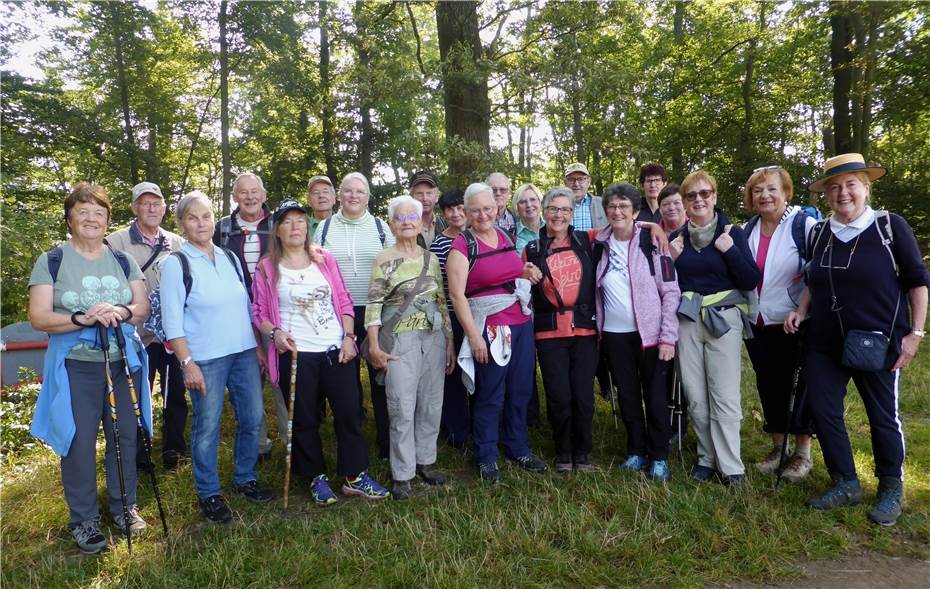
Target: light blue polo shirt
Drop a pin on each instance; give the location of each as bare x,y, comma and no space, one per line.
216,320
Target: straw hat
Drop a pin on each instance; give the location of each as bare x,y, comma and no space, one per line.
843,164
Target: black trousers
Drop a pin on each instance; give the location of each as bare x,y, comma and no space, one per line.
642,382
456,405
320,375
174,408
378,392
568,365
774,357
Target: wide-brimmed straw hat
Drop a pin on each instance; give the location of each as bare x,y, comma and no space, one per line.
843,164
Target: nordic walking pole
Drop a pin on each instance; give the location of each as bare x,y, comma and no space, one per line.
144,436
111,398
290,425
799,365
613,396
677,410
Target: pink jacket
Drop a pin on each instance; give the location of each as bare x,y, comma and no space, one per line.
655,302
265,305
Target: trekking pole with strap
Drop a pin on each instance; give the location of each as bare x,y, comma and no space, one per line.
795,379
290,426
111,398
141,430
613,397
676,409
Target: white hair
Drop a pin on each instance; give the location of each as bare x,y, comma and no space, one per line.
476,189
493,175
404,199
248,175
356,176
189,199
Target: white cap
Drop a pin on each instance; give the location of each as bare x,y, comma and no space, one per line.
145,188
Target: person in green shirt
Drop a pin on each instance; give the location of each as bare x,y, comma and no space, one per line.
321,196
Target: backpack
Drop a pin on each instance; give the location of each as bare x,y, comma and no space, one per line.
798,223
471,247
381,235
55,255
648,248
227,231
154,323
882,222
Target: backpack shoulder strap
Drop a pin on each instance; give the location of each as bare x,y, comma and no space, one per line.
325,230
121,259
225,230
883,225
750,225
54,261
798,223
235,265
381,235
645,244
471,247
816,233
186,277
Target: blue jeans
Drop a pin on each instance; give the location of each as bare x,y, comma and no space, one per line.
240,374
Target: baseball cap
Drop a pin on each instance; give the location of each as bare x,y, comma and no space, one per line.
427,176
145,188
286,207
576,167
323,179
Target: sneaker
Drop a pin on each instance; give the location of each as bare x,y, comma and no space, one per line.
583,464
658,471
531,463
563,465
840,493
215,510
770,463
365,486
733,481
634,463
136,523
489,472
431,475
254,493
702,474
88,537
401,490
887,507
321,492
797,468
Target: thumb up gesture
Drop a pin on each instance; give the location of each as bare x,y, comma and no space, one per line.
724,242
675,247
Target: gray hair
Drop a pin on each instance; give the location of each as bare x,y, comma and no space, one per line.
475,189
556,192
404,199
248,175
356,176
190,199
495,174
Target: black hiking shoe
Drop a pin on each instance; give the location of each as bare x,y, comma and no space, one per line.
254,493
530,462
887,507
840,493
489,472
215,510
431,475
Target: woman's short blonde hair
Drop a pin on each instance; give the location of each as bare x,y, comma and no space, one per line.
518,194
758,177
695,177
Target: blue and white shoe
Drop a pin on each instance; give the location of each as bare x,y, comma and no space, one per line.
634,463
321,492
365,486
658,471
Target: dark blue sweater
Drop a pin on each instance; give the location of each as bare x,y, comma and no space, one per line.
868,290
709,271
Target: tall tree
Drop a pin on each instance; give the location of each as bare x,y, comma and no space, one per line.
841,63
329,136
224,107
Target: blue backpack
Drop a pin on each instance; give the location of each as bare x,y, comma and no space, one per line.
798,235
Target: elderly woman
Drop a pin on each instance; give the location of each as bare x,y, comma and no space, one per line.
671,209
410,339
867,290
199,284
488,284
355,237
715,267
301,304
566,334
74,288
526,202
637,303
776,235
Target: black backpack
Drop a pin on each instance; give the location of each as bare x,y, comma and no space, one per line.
56,254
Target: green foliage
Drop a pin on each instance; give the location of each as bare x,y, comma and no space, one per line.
16,407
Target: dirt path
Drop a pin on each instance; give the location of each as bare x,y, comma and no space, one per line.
863,571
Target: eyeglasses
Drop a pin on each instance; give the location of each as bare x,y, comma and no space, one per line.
652,181
484,210
620,206
577,180
560,210
704,194
404,218
764,168
319,193
152,205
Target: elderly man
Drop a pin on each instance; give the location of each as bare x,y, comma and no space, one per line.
500,186
148,243
424,187
321,196
652,179
589,214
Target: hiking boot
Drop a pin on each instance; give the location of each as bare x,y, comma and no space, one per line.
431,475
321,492
254,493
797,468
531,463
702,474
401,490
840,493
634,463
365,486
658,471
563,465
88,537
215,510
489,472
770,463
136,523
887,507
733,481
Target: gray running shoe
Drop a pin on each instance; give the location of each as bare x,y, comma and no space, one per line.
88,537
136,523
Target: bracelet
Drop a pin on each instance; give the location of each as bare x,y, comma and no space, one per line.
74,318
274,330
127,309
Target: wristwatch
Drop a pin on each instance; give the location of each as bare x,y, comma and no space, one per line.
919,333
186,361
351,336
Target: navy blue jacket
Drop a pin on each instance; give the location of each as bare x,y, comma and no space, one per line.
708,271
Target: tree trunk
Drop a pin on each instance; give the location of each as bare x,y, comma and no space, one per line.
116,27
678,34
366,139
865,124
840,62
327,111
745,152
224,110
465,88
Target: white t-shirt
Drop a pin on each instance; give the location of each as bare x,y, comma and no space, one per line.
618,296
307,310
251,244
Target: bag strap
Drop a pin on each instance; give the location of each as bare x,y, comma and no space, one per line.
408,298
834,303
157,250
887,237
381,235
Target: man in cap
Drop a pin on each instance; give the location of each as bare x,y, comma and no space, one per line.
149,243
424,187
500,187
652,179
589,214
321,196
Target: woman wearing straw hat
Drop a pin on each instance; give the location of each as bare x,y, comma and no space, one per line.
866,298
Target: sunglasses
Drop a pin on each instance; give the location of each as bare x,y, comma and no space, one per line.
704,194
403,218
764,168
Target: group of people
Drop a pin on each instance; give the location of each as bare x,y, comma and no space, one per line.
452,301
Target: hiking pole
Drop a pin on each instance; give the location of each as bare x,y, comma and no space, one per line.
795,379
141,431
111,398
613,397
676,408
290,424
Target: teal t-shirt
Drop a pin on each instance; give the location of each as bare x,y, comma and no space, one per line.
81,284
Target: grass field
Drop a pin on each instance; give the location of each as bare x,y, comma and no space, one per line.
602,529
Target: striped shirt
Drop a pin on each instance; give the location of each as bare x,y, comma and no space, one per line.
251,243
355,243
441,246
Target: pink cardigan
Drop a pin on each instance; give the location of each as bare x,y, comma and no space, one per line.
655,302
265,305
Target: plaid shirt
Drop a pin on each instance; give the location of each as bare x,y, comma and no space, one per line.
582,218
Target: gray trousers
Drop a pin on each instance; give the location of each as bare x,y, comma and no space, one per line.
710,377
79,468
415,383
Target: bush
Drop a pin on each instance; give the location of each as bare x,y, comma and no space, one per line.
17,403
